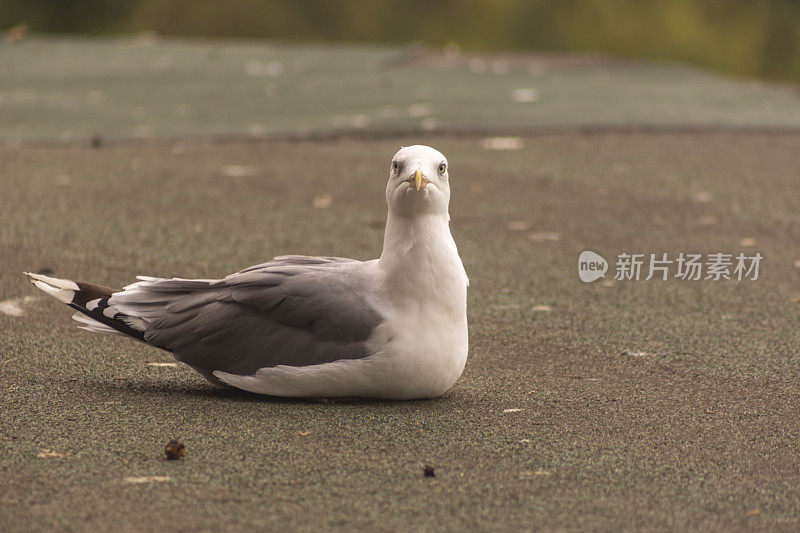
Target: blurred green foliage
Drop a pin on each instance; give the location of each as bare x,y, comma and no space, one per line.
759,38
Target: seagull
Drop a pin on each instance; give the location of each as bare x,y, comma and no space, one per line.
302,326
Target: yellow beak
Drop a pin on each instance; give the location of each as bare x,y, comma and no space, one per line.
419,180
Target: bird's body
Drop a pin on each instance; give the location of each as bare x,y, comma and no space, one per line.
300,326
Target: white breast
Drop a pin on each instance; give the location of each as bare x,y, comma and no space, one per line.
419,350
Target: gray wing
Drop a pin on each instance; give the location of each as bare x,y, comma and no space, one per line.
294,310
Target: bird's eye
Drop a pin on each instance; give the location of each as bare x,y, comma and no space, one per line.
442,168
394,166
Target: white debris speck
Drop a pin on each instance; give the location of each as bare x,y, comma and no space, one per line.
323,201
169,365
50,453
512,410
540,236
254,68
257,130
238,171
13,307
542,308
420,110
525,95
429,124
534,473
747,242
525,441
502,143
797,263
609,283
147,479
517,225
477,65
634,353
703,196
359,121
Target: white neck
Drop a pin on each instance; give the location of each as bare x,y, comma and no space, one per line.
423,265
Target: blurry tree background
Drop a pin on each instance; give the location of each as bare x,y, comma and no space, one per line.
758,38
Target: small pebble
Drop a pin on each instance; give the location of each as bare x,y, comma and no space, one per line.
634,353
174,449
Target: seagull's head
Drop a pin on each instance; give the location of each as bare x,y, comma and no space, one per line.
418,182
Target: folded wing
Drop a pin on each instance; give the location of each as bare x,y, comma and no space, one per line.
294,310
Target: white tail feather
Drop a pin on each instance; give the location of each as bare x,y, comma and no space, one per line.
60,289
65,291
90,324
